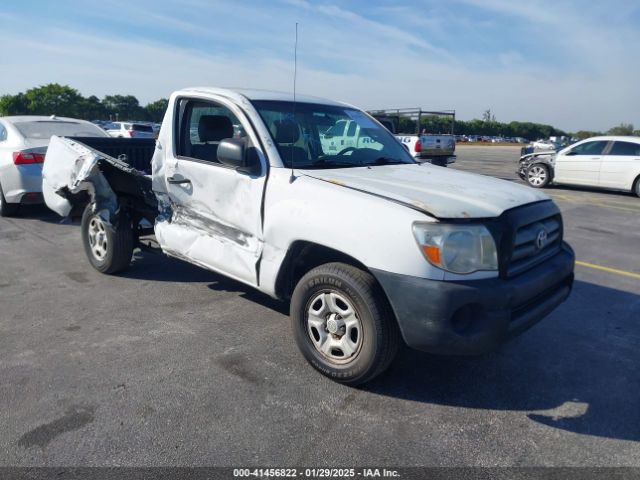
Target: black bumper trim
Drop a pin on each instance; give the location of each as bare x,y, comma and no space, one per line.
476,316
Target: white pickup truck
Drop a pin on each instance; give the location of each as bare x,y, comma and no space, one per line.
370,247
437,149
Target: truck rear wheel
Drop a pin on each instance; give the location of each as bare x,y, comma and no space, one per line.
109,249
343,324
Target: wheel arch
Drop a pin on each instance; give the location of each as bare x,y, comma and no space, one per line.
634,186
301,257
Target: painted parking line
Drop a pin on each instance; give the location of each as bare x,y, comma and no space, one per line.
627,207
615,271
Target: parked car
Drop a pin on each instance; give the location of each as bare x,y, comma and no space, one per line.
23,143
544,146
130,130
608,162
367,244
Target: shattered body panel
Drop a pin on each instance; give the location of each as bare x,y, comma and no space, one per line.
72,168
546,158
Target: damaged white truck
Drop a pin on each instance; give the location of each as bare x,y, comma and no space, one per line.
370,247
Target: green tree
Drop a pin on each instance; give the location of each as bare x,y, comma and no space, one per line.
622,129
53,99
582,134
123,107
13,105
155,110
91,108
488,117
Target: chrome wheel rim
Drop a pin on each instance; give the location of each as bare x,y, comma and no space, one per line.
98,240
537,176
334,327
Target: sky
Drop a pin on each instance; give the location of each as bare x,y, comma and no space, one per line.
573,64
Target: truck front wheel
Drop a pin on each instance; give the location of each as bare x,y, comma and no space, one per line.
108,248
343,324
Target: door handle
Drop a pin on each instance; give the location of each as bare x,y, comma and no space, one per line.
177,181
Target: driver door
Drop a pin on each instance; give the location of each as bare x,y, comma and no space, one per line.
215,209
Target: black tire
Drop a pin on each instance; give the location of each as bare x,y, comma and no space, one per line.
538,175
117,247
636,187
378,334
7,209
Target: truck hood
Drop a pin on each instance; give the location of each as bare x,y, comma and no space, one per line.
440,192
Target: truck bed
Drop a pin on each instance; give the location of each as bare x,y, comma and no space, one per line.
137,152
123,174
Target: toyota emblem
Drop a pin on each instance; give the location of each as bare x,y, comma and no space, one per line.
541,239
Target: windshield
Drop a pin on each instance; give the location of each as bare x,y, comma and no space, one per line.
137,127
47,128
327,136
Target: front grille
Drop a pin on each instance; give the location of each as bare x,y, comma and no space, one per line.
535,235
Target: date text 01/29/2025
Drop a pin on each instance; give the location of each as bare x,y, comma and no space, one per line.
314,473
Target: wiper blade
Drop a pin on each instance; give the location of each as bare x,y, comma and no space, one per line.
386,161
331,163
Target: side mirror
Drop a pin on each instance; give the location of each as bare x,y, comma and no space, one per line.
233,152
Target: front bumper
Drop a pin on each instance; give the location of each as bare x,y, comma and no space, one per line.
439,160
522,169
473,317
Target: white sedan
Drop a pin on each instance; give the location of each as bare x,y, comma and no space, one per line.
130,130
608,162
23,143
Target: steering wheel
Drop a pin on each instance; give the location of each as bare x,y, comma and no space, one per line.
344,151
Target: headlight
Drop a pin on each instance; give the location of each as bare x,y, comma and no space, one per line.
457,248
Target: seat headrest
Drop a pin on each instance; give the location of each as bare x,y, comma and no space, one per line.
287,131
213,128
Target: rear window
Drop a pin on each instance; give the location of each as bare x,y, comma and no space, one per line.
46,128
625,148
142,128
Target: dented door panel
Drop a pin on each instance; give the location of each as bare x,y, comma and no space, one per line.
214,219
210,213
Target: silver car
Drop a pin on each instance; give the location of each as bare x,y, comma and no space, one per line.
23,143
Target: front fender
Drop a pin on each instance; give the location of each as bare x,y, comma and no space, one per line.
533,158
372,230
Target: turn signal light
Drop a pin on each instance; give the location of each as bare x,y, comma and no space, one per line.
432,253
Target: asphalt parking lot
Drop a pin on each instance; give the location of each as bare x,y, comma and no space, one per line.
170,364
